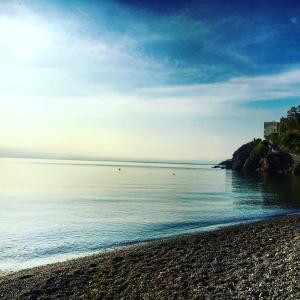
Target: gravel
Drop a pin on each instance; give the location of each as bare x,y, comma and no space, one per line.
253,261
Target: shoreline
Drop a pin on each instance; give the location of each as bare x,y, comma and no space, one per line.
249,260
137,243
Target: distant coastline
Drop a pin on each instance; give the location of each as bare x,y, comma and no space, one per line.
117,163
52,156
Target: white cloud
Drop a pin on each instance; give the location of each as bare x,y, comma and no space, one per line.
215,98
64,88
45,56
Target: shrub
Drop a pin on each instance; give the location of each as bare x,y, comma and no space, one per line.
260,150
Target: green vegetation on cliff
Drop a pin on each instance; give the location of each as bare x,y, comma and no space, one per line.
276,153
288,135
260,149
259,155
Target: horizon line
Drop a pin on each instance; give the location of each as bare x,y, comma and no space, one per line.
52,156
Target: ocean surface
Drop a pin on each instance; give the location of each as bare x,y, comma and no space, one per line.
53,210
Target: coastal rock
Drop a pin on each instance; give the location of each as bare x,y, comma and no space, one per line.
227,164
258,152
260,155
242,154
280,163
297,169
251,165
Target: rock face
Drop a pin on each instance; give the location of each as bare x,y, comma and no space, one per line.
297,169
227,164
262,156
259,150
241,155
280,163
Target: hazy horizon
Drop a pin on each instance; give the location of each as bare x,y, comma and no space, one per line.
23,154
144,80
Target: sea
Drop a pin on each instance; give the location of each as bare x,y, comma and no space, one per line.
54,210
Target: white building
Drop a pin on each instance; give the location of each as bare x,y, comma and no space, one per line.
270,128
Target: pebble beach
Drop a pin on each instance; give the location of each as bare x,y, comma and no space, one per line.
260,260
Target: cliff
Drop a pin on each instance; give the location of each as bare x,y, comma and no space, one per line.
261,155
288,135
279,153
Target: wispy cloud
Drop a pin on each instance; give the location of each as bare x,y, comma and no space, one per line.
45,57
100,76
216,98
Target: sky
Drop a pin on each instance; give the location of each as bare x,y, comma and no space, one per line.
144,80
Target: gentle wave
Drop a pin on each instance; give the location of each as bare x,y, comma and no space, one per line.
54,211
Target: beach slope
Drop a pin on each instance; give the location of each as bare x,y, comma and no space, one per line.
258,260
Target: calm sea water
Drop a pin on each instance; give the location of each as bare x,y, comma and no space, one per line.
53,210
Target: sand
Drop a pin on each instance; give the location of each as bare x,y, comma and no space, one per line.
253,261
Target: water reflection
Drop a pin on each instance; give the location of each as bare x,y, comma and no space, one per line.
54,210
275,190
285,188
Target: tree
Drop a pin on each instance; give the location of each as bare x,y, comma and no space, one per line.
294,111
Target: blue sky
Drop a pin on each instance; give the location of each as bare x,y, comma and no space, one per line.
148,79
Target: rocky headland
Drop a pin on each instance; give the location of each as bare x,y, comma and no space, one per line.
279,153
262,156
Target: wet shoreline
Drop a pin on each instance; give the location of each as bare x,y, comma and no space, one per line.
256,260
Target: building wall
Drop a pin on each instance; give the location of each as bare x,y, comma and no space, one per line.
270,127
